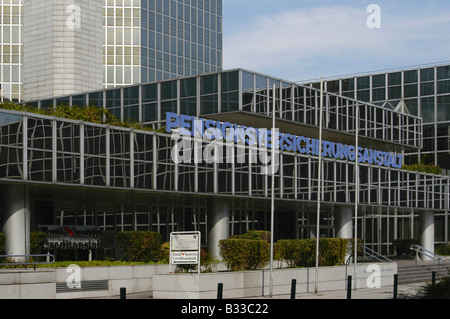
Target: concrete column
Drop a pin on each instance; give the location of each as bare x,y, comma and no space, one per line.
16,217
343,219
426,232
218,220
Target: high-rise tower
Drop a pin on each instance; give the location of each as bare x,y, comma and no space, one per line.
60,47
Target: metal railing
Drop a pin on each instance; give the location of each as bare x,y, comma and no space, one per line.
373,254
50,259
366,251
420,250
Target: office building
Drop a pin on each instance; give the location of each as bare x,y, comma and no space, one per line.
52,48
420,91
62,172
11,49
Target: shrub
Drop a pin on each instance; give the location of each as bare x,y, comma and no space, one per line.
37,241
288,250
164,255
401,246
440,290
302,252
254,235
2,244
206,263
240,254
87,113
140,246
443,250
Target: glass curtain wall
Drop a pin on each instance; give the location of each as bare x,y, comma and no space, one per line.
423,92
122,42
11,15
180,38
148,41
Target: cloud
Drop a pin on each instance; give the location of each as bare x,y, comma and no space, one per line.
304,37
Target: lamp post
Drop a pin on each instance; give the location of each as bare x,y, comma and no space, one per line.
272,209
356,189
319,186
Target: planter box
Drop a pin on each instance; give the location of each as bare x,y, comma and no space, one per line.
100,282
27,284
248,284
107,281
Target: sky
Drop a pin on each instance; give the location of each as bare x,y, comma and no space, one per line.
301,40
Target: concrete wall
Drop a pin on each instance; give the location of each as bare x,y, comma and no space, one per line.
137,278
248,284
44,283
27,284
63,47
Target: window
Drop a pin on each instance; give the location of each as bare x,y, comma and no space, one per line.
427,74
427,109
443,72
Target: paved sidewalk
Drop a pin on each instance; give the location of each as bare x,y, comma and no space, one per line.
377,293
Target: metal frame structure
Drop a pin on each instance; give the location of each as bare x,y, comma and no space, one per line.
422,91
66,152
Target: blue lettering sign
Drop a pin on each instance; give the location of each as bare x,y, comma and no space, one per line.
189,125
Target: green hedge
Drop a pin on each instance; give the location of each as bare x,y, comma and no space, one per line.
140,246
2,244
443,250
255,235
401,246
302,252
37,241
240,254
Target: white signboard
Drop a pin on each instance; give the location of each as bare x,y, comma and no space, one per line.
185,249
185,258
185,242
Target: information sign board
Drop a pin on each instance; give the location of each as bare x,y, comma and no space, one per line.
185,249
185,258
185,242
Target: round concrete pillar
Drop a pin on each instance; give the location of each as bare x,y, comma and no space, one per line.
343,219
426,232
218,220
16,217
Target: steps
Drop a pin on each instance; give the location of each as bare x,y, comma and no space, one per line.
410,272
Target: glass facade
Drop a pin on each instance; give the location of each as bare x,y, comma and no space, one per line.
11,49
122,49
144,41
423,92
250,92
150,40
111,161
390,199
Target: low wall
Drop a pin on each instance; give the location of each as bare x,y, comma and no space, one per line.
248,284
51,283
107,281
27,284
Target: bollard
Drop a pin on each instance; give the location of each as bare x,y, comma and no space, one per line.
395,285
293,286
349,287
220,291
433,278
123,293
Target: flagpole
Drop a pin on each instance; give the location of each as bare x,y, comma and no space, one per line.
272,209
319,186
356,191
